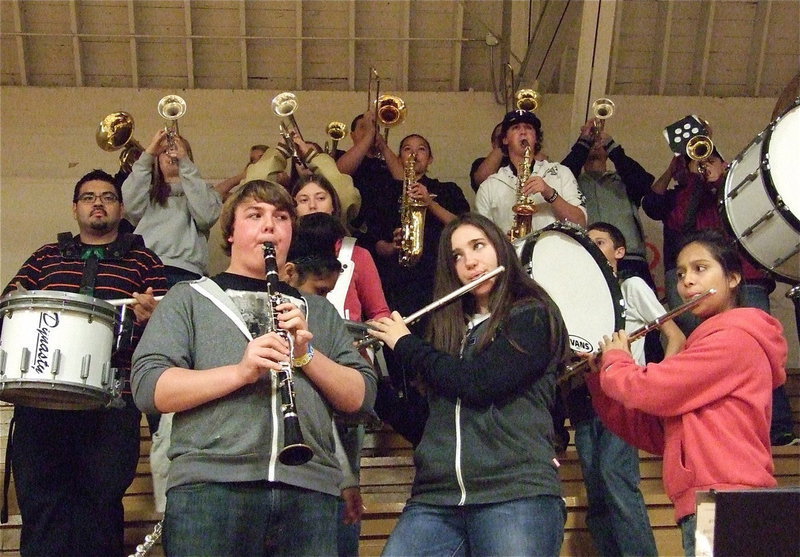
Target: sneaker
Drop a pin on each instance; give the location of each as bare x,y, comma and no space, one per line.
786,440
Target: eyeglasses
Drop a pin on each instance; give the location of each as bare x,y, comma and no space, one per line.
106,197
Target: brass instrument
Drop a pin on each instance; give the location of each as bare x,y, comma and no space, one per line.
412,219
171,108
284,106
336,131
523,208
528,100
294,451
369,341
602,109
115,132
579,367
700,149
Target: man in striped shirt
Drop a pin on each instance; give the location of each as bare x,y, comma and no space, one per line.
72,467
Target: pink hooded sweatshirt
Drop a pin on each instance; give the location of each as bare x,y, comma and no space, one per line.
707,409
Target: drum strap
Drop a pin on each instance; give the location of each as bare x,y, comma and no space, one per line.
7,473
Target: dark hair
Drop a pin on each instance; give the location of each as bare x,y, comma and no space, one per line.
258,190
409,136
259,147
325,184
512,288
617,237
724,251
96,174
354,123
313,249
159,188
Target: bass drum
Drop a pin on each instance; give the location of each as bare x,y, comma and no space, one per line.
576,275
762,197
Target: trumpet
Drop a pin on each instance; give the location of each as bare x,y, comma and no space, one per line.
115,132
602,109
369,341
528,100
523,209
284,106
336,131
171,108
700,148
580,367
390,110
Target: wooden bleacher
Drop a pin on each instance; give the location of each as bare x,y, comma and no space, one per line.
386,475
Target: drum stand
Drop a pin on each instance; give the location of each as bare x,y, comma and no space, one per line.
794,295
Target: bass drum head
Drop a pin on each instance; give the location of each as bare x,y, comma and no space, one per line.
780,155
576,275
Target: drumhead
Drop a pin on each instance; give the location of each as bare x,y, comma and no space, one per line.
780,158
576,275
58,301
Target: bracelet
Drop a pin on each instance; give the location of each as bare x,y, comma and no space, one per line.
552,197
303,360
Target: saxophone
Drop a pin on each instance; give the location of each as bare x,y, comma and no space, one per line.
412,219
523,208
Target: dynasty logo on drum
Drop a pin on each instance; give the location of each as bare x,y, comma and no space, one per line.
47,321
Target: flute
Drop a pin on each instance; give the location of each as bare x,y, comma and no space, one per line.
576,368
436,304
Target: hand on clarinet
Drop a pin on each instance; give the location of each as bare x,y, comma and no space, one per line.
388,329
617,341
292,319
262,356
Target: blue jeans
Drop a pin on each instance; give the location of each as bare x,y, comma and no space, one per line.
688,526
249,519
528,526
617,516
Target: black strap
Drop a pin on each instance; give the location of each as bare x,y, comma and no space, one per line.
89,277
690,217
7,473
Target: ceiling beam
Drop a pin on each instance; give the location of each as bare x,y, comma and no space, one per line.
612,64
76,43
458,28
554,31
661,47
351,42
23,68
758,45
187,21
594,51
298,29
132,46
243,43
705,30
405,32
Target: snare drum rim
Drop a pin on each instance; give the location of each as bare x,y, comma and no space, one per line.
769,184
59,301
579,234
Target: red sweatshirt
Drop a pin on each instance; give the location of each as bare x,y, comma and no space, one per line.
707,409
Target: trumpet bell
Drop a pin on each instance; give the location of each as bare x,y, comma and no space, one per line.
603,108
699,147
114,131
284,104
336,130
528,100
391,110
171,107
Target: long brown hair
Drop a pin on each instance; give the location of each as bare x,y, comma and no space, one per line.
159,188
512,288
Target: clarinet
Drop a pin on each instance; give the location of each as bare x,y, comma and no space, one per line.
294,451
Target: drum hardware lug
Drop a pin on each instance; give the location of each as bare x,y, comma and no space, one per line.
86,362
105,379
25,361
2,362
766,216
56,367
746,180
781,260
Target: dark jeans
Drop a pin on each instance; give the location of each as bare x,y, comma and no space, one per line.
688,526
617,515
528,526
71,470
249,519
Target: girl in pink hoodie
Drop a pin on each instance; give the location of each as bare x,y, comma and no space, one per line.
707,409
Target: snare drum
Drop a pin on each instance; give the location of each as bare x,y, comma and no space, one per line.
762,198
575,273
55,350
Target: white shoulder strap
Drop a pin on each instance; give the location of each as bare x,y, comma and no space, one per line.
339,293
211,290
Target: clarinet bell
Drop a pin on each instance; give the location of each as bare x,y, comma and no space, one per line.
295,452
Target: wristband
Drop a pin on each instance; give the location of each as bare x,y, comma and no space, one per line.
553,197
303,360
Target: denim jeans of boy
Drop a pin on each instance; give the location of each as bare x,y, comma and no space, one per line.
528,526
249,519
617,515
